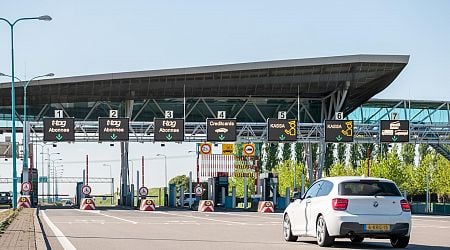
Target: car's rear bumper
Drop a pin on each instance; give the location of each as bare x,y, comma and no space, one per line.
345,224
353,228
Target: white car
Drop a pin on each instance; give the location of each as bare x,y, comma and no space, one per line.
349,207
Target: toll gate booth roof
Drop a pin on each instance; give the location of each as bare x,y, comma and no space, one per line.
314,78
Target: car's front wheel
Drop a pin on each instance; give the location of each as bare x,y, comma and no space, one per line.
322,236
400,241
287,232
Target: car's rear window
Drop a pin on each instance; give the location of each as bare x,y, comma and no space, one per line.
368,188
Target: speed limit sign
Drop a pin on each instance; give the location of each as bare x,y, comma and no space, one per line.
143,191
86,190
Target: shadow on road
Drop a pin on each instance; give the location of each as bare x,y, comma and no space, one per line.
375,245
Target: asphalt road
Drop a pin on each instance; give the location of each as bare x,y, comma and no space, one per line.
172,229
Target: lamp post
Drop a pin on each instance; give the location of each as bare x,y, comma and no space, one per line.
13,99
49,171
112,182
165,168
25,133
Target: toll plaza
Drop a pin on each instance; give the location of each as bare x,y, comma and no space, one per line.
309,101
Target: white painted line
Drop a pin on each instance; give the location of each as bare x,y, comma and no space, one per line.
430,217
118,218
203,218
65,243
265,216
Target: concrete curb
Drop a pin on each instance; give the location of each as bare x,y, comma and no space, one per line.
38,234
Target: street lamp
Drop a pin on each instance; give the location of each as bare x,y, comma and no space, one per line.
25,142
48,170
13,99
165,167
53,170
112,182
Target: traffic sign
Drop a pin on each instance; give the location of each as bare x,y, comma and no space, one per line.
113,129
26,187
227,149
59,129
394,131
220,130
169,129
249,149
198,190
143,191
281,130
338,131
205,148
86,190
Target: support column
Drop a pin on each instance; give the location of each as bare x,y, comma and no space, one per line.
322,150
125,194
309,163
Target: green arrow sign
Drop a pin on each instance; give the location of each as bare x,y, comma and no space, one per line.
394,138
169,137
113,136
282,137
59,137
338,138
221,137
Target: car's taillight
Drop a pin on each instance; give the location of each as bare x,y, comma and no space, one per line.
340,204
405,205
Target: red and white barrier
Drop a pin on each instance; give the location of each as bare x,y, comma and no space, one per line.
266,207
87,204
24,201
206,206
147,205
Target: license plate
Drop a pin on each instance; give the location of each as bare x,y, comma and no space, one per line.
377,227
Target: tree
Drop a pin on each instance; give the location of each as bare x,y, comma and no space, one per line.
314,147
341,147
271,156
354,155
238,149
423,151
238,182
298,152
328,157
408,153
285,171
287,152
180,181
364,150
441,176
340,169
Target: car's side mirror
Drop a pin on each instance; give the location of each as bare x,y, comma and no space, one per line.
296,196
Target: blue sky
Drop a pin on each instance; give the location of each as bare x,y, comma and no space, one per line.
92,37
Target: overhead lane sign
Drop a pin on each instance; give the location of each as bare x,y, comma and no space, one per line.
59,129
169,129
220,130
113,129
281,130
338,131
394,131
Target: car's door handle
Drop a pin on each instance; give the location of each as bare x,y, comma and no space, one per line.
308,201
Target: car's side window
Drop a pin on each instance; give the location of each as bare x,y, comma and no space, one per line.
325,188
312,191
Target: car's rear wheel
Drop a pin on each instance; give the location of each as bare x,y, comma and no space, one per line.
322,236
400,241
356,239
287,232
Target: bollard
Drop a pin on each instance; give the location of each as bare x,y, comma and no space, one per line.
223,196
245,193
233,197
181,200
147,205
288,197
206,206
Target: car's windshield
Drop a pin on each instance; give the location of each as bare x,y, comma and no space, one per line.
368,188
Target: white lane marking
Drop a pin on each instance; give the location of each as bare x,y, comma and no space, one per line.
430,217
203,218
266,216
107,215
65,243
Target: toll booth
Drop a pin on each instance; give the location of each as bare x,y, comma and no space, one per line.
78,194
218,188
34,180
268,187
